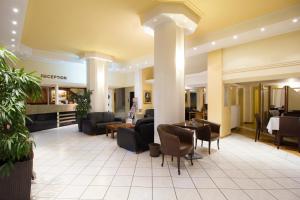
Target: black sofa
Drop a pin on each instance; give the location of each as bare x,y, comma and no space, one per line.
40,122
149,113
95,123
138,138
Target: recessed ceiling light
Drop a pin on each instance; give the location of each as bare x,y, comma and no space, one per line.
146,62
154,20
195,48
235,37
262,29
13,45
295,20
14,22
130,67
14,32
15,10
213,42
13,39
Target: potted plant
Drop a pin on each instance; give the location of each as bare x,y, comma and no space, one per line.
83,106
16,154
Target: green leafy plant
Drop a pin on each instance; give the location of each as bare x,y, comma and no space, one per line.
83,103
15,87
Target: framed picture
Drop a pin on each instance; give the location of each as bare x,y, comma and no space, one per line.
147,97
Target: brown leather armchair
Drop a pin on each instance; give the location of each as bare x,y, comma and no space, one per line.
175,141
209,132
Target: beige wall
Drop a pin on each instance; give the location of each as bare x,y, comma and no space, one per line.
294,100
120,79
272,58
147,74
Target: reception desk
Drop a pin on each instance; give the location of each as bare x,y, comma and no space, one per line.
50,116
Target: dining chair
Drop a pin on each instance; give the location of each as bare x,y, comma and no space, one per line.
207,131
175,141
288,127
258,126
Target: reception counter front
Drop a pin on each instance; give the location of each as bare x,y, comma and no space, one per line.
50,116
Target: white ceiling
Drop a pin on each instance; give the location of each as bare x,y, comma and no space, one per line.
7,16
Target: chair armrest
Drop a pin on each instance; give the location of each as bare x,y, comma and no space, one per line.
126,138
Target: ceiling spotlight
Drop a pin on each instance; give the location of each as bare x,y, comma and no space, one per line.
130,67
15,10
262,29
235,37
213,42
13,45
14,32
14,22
13,39
295,20
195,48
154,20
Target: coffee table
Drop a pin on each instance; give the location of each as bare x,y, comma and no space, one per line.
192,126
112,128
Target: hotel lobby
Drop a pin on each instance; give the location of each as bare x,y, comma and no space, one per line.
150,100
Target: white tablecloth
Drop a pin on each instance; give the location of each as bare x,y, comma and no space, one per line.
273,124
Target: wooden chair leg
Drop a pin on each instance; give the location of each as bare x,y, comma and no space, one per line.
218,143
163,158
258,136
209,147
201,143
172,158
178,164
191,156
196,143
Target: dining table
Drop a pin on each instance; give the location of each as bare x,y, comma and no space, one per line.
192,125
273,124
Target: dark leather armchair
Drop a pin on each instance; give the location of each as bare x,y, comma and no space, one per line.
138,138
175,141
96,122
209,132
149,113
288,127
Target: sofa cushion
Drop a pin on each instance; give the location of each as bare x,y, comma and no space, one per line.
108,117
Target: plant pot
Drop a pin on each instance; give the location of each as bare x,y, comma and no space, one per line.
18,184
79,121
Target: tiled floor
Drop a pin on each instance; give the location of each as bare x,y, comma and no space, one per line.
71,165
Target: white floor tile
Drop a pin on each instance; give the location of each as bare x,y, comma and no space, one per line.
225,183
164,194
284,194
268,184
235,194
125,171
140,193
72,192
160,172
142,181
162,182
204,183
211,194
119,193
122,181
102,180
94,192
187,194
259,195
183,182
82,180
246,183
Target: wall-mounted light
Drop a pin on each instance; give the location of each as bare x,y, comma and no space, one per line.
15,10
262,29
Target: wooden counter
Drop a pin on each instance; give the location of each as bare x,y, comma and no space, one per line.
42,109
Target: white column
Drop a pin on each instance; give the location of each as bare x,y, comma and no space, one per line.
200,99
169,87
97,82
56,94
138,87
